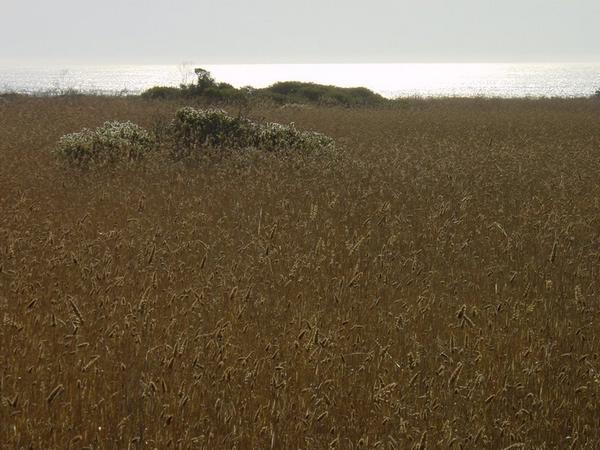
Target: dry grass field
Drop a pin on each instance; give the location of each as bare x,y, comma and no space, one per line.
433,285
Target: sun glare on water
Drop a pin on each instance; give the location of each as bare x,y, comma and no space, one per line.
463,79
390,80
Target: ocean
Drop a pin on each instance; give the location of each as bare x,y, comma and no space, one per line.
390,80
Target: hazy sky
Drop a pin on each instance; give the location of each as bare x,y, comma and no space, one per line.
302,31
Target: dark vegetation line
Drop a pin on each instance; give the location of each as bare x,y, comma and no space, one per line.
281,93
291,93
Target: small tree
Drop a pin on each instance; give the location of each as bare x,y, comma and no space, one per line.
205,79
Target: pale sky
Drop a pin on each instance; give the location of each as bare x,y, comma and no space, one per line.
302,31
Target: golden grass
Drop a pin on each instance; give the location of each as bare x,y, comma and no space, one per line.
434,286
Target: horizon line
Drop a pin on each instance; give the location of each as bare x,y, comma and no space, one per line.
15,64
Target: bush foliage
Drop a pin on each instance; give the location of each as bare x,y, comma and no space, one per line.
286,92
191,131
311,93
162,93
194,129
110,143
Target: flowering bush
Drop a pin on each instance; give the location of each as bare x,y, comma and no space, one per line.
275,136
112,142
193,128
196,128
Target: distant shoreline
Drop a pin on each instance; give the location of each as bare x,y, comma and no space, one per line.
426,80
134,95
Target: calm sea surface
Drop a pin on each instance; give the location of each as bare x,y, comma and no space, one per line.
391,80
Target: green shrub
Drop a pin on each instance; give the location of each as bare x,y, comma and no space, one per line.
224,93
312,93
284,92
110,143
194,129
212,92
162,93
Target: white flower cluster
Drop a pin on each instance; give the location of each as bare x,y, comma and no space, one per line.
197,128
213,127
199,117
111,142
191,130
273,136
